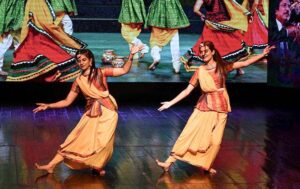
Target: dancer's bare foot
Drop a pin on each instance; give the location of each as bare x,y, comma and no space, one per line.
164,165
48,168
153,66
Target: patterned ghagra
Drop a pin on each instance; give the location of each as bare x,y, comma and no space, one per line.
132,11
167,14
11,15
67,6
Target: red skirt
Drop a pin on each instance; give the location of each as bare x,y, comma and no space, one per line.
256,36
39,58
229,45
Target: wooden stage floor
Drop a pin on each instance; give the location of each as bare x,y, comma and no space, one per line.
260,149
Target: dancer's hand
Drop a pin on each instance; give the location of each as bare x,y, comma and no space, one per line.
57,75
136,48
54,77
250,19
165,105
268,49
41,107
186,66
202,16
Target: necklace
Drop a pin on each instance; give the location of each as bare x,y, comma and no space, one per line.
86,73
210,67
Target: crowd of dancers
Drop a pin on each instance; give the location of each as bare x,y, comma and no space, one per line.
41,33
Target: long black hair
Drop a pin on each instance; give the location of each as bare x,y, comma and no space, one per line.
93,70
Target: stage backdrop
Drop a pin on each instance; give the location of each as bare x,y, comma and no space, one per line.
45,47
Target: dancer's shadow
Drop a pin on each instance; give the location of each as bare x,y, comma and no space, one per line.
193,181
81,180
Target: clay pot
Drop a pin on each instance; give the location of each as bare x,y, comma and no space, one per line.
108,56
118,61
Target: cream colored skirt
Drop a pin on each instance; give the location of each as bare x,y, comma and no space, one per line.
91,142
199,142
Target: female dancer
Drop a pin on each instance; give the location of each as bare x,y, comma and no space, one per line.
200,140
256,37
224,23
90,144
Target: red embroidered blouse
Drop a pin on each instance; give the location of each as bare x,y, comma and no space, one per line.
218,101
101,84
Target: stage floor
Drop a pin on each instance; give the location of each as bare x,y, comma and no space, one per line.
260,149
98,42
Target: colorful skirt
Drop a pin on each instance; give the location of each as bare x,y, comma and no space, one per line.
256,36
167,14
11,15
132,11
64,6
229,44
39,57
91,142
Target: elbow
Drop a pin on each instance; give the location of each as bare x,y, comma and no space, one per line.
68,104
123,72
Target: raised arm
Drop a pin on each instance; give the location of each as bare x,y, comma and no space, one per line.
125,69
253,59
60,104
179,97
197,8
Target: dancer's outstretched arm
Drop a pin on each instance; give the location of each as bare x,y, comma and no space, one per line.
179,97
60,104
125,69
197,9
253,59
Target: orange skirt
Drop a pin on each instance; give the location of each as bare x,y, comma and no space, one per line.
199,142
90,144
